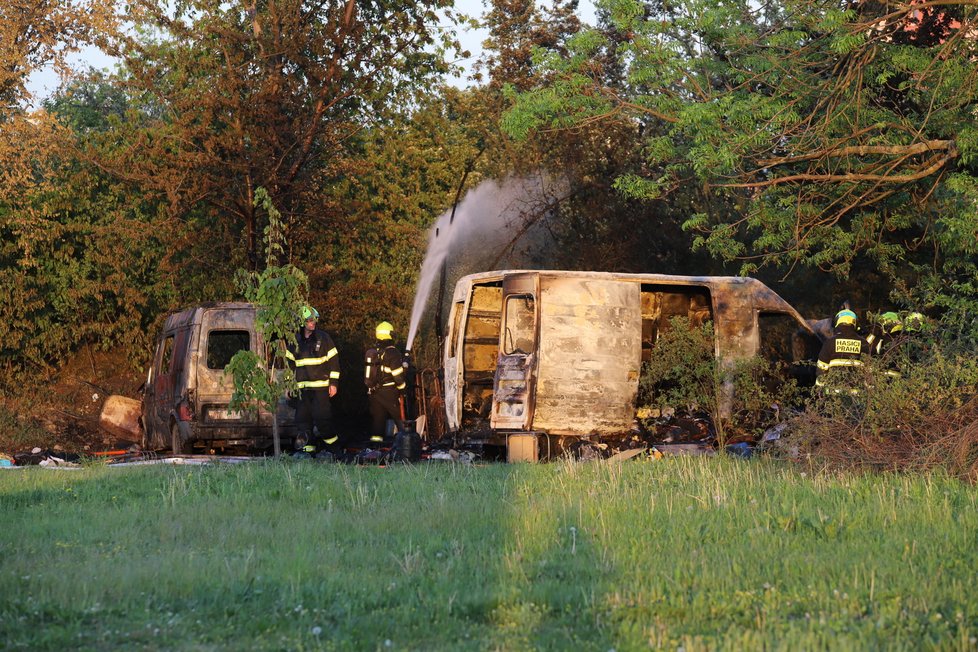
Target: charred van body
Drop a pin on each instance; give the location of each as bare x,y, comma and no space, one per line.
185,402
559,353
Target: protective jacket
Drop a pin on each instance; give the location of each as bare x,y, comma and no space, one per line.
843,350
384,368
314,360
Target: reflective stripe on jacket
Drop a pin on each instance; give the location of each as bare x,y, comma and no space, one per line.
315,360
843,350
384,368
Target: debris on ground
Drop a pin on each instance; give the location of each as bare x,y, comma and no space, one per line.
452,455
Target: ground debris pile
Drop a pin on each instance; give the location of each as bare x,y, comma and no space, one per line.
944,439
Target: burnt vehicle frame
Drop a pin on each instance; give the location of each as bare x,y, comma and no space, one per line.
186,396
533,358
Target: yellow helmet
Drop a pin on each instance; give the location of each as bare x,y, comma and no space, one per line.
890,321
308,312
384,330
914,322
845,317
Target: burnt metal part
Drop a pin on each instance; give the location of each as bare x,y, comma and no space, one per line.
560,352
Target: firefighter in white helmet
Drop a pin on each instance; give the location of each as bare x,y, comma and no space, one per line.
384,376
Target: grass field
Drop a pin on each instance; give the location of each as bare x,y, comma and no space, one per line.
690,553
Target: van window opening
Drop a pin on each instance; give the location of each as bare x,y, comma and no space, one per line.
166,357
223,344
662,303
520,331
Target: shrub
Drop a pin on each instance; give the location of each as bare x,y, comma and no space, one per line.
917,409
742,400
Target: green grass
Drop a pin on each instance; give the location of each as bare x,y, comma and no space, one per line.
689,553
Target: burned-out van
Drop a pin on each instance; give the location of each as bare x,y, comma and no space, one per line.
186,396
560,353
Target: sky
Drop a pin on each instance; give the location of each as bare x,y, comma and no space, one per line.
45,82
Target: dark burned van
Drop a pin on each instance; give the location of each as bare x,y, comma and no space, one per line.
559,353
186,396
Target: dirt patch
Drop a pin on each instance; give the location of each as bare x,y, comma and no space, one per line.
62,414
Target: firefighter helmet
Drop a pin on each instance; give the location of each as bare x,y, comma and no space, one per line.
384,330
845,317
914,322
308,312
890,321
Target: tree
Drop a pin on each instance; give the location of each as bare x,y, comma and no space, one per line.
38,33
836,132
261,94
82,260
278,293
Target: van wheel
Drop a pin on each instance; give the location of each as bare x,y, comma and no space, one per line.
177,443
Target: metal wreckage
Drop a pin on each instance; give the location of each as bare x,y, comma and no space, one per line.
536,364
539,363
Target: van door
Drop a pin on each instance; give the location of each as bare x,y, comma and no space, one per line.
161,387
590,355
223,332
512,404
453,373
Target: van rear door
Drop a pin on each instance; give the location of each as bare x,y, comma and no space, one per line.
223,332
512,404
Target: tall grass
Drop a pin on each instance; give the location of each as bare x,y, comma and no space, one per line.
682,552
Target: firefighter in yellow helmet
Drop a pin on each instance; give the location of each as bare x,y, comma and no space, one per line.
842,353
884,330
316,363
385,378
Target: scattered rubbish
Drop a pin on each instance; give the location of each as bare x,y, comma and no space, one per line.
621,456
120,417
189,460
369,456
740,449
685,449
452,455
114,453
53,460
41,457
775,432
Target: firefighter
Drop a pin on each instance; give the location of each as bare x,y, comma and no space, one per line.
885,338
843,351
917,341
386,382
886,328
317,373
915,322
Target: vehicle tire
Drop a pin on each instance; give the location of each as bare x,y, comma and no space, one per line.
178,444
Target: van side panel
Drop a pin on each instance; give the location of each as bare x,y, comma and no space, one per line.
590,353
736,330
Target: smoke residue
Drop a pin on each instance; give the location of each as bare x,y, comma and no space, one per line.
496,226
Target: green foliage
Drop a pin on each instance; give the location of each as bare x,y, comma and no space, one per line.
278,293
82,259
743,399
683,372
914,409
828,137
